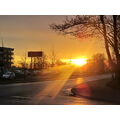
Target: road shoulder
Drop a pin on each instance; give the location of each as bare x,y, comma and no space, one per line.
98,90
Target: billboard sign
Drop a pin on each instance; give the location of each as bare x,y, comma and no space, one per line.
35,54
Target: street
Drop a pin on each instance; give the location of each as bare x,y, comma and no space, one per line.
55,90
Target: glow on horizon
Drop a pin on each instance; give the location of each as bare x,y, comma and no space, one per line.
24,33
78,61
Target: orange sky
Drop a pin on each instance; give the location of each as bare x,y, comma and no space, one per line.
26,33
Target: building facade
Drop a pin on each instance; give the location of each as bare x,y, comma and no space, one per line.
6,58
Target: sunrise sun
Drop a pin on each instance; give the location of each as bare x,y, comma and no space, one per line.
78,61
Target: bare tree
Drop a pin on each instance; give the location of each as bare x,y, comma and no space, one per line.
105,27
53,58
42,62
106,39
23,61
86,27
98,62
24,64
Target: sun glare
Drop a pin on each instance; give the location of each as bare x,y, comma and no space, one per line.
78,62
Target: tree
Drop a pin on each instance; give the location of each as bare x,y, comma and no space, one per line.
53,58
106,40
84,27
98,62
23,62
104,27
42,62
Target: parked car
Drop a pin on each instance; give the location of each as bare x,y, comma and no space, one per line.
8,75
36,72
19,72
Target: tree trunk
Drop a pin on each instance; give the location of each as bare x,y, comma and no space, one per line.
106,41
115,76
116,51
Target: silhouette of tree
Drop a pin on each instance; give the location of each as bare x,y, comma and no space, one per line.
105,27
98,62
53,57
43,62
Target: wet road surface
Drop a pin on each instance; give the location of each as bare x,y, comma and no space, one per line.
55,90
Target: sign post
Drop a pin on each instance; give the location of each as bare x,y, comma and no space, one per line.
33,55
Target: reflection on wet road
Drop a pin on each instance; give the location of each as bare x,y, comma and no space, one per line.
54,91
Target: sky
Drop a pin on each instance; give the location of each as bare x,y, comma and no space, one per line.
24,33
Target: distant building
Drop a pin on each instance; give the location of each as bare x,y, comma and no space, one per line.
6,57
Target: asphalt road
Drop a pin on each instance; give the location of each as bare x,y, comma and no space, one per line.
53,90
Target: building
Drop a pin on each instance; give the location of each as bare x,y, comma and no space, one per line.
6,57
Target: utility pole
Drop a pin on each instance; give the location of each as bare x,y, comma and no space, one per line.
2,42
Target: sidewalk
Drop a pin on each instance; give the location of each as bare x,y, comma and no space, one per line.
98,90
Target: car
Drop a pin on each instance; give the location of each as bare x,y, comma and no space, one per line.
8,75
19,72
27,72
36,72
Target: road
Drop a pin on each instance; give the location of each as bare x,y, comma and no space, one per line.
54,90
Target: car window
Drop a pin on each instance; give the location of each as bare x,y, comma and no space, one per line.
8,73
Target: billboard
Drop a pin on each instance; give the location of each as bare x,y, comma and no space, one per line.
35,54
